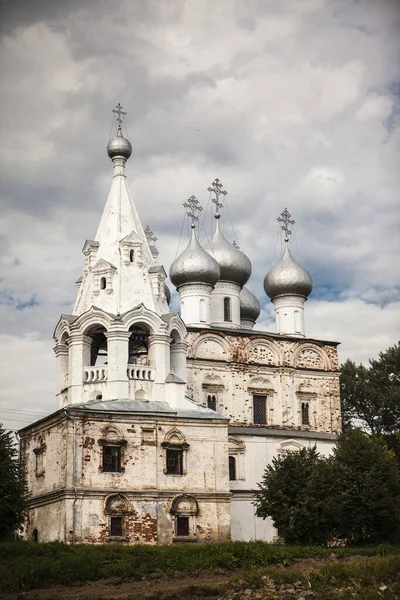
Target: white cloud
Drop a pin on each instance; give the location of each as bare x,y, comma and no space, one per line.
286,102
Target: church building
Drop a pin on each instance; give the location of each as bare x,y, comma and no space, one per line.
165,421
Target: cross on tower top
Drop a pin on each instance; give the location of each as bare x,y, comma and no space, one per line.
216,189
150,235
286,218
192,205
118,111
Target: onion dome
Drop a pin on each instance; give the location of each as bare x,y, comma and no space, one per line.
234,264
119,146
194,265
167,293
288,278
249,305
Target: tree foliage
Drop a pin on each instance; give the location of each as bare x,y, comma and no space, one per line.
371,395
353,494
12,489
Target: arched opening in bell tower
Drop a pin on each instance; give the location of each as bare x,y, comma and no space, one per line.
138,351
98,346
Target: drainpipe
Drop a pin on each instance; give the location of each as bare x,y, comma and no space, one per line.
73,475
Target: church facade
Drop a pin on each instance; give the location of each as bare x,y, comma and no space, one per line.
165,421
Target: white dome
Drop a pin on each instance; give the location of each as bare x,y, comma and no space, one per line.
234,264
288,277
194,265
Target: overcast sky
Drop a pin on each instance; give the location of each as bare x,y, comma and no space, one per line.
290,103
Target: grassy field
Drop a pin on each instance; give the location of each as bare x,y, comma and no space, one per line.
26,565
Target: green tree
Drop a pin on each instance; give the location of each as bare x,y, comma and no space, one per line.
371,395
368,489
12,489
297,492
353,494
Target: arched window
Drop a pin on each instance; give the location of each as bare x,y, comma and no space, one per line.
305,414
212,402
202,311
131,255
99,397
232,468
103,283
227,309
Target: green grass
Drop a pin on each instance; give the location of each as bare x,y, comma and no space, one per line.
26,565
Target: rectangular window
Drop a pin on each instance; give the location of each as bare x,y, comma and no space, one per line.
305,419
259,410
232,468
212,402
116,526
174,462
182,526
111,459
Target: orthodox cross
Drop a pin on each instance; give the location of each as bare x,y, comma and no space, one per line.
216,189
234,243
286,218
150,235
192,205
119,112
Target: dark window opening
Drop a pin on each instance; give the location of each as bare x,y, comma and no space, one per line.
182,526
35,535
111,459
131,255
227,309
103,283
138,346
99,397
232,468
98,348
259,410
212,402
116,526
305,420
174,462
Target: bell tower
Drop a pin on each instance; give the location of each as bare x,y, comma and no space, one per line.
117,342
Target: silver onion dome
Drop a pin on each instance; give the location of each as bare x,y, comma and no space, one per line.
194,265
119,146
288,277
234,264
249,305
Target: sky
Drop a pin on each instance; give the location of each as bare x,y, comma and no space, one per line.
290,103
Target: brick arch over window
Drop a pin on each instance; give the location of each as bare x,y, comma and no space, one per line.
175,447
211,347
117,504
311,356
263,352
184,509
117,508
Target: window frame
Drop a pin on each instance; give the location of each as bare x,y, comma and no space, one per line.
227,309
256,399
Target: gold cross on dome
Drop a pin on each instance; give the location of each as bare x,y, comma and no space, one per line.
150,235
192,205
216,189
286,218
118,111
